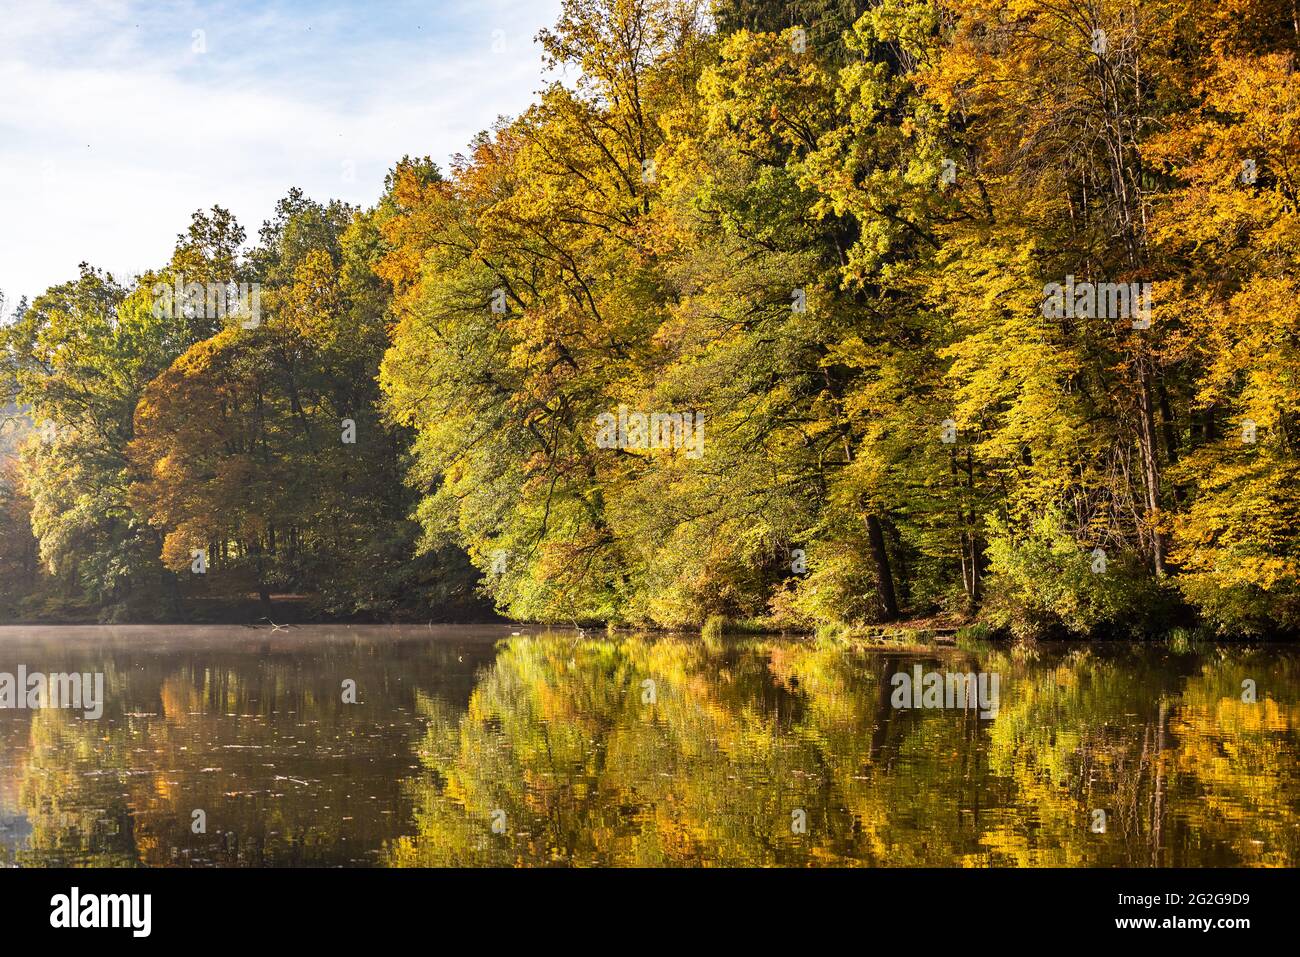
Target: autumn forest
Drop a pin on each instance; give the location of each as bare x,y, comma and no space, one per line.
790,315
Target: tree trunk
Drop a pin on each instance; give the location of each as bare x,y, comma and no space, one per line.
1150,466
884,578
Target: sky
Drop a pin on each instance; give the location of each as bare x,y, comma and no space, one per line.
118,119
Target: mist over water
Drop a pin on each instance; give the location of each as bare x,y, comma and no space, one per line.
470,745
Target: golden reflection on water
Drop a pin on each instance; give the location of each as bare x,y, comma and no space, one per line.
470,746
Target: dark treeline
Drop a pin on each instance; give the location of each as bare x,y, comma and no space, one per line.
817,313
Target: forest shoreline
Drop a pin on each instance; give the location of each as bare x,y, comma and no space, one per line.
926,631
989,312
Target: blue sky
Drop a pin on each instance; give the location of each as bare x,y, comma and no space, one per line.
117,119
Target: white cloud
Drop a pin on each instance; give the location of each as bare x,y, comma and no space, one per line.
112,131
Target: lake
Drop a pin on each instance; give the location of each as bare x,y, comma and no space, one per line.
470,745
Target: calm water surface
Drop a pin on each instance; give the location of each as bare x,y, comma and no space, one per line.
559,740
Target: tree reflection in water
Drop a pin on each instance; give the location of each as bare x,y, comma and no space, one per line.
556,739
